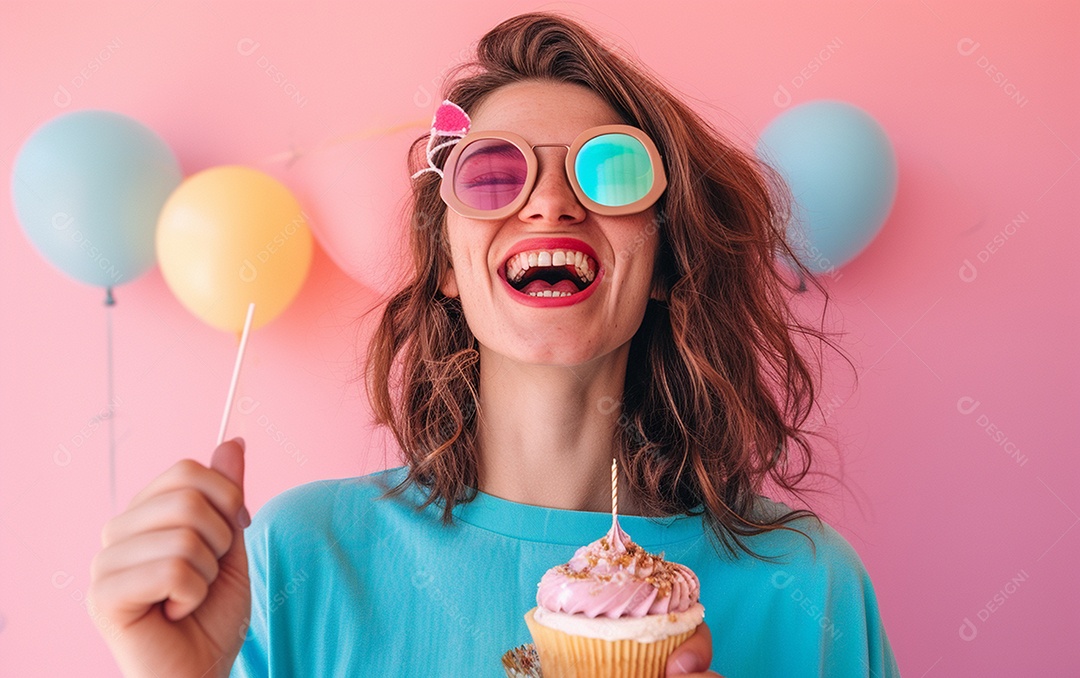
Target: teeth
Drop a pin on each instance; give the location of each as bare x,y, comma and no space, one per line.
549,293
517,265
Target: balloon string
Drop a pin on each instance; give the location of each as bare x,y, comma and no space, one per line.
110,302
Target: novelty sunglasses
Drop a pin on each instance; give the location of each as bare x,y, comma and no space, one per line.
613,169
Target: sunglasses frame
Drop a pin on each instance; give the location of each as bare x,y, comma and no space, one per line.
448,195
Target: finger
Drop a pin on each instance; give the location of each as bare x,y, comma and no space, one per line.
178,542
185,472
234,562
182,507
222,492
694,655
191,476
125,595
228,460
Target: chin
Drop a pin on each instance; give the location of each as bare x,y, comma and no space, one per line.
553,351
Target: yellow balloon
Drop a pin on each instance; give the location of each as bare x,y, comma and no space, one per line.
228,236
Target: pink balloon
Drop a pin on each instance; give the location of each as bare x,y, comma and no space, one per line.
357,193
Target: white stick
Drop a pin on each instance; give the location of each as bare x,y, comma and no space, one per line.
236,373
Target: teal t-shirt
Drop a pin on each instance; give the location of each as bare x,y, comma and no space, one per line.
347,584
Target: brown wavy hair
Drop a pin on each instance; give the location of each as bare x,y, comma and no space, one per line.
717,395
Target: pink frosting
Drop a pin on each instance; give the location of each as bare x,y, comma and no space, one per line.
614,577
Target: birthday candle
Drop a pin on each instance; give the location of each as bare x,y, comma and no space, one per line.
614,489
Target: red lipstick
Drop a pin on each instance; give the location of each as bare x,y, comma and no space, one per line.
551,244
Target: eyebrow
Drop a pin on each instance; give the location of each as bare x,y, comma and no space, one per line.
505,149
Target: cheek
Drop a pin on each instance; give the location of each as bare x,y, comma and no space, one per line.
641,244
465,253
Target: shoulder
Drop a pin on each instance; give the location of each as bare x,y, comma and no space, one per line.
321,503
809,591
810,548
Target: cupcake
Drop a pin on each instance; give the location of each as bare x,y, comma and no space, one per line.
613,610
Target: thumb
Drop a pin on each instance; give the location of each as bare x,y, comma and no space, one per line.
694,655
228,460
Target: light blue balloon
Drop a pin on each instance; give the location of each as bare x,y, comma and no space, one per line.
842,172
87,187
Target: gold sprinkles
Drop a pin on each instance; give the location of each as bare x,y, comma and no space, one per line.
662,574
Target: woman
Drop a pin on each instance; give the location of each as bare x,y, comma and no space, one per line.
549,327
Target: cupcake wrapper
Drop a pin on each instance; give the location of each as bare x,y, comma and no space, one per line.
565,656
522,662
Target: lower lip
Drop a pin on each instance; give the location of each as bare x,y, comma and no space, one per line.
550,302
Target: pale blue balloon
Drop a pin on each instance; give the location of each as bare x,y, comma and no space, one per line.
87,188
842,172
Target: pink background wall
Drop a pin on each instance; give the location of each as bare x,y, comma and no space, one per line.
950,511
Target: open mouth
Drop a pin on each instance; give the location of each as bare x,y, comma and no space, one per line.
550,273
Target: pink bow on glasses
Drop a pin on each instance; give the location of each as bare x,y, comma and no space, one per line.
449,121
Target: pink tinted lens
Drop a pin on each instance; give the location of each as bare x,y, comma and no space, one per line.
490,173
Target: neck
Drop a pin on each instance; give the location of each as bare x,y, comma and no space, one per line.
546,434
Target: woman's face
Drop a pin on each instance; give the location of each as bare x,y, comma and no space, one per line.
595,322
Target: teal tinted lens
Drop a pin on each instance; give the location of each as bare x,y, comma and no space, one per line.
614,170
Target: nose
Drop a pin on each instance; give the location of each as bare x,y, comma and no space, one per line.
552,199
